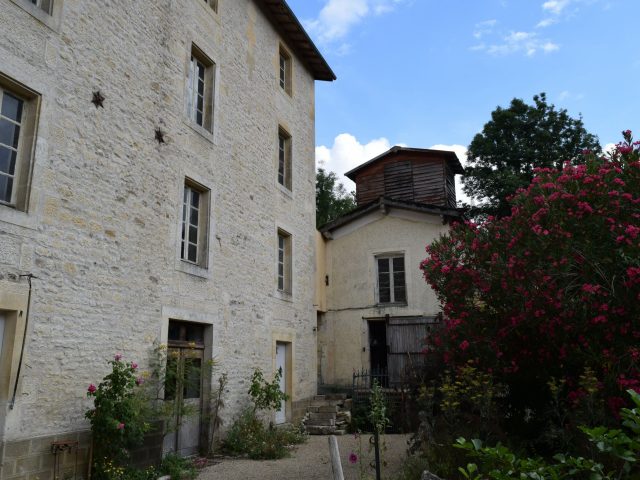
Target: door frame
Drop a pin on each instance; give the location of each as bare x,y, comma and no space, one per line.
286,339
207,320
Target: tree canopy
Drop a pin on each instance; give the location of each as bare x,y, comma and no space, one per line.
518,139
332,199
546,299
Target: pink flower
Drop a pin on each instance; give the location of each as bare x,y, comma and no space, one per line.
134,365
139,381
92,388
464,345
353,458
120,426
118,357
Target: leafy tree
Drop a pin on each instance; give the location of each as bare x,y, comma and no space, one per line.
332,199
516,140
547,298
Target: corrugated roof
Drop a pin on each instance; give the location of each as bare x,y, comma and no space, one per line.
452,158
297,38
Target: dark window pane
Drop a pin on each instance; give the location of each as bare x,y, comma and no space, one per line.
195,333
280,282
400,294
398,264
183,231
195,199
6,187
201,72
174,331
200,103
385,295
194,217
193,253
398,279
182,248
192,375
199,118
7,161
9,133
193,234
12,107
383,265
186,195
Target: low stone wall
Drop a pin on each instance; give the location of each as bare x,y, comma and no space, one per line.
33,458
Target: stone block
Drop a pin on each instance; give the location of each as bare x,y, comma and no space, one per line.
28,464
17,449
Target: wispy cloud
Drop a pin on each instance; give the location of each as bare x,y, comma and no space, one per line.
529,43
557,10
338,17
484,28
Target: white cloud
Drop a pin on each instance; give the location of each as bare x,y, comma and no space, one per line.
347,153
528,43
484,28
555,6
338,17
609,148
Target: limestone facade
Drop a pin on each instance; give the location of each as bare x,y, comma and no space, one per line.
101,222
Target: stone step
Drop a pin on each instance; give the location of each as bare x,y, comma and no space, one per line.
320,423
332,396
322,409
317,403
324,430
322,416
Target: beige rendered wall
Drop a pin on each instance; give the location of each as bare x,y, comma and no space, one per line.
343,345
103,228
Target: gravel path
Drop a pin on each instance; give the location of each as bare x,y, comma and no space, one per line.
311,461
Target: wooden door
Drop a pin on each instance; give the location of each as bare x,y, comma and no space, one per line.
405,341
281,365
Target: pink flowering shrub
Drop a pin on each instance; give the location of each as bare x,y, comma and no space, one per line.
118,419
550,291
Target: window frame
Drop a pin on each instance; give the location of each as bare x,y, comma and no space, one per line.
202,227
285,161
285,70
213,4
45,5
391,274
284,262
198,59
25,151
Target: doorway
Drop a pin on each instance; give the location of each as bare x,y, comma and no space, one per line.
184,387
281,366
378,350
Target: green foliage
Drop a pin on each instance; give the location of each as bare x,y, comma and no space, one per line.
620,450
120,414
516,140
249,436
108,470
332,199
179,468
266,395
412,468
378,413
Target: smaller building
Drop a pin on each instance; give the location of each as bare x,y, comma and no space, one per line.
374,306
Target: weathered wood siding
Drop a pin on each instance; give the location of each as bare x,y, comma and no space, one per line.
405,341
410,178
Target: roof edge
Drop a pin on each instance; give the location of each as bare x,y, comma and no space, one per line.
457,166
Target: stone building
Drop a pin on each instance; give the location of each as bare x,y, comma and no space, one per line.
374,307
157,179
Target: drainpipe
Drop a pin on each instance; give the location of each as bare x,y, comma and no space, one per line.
24,341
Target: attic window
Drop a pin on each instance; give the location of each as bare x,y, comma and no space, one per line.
285,70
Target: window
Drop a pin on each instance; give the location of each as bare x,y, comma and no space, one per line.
284,158
43,4
200,89
18,107
391,282
213,4
284,262
193,247
285,70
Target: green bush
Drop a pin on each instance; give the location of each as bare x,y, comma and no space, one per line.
249,436
178,468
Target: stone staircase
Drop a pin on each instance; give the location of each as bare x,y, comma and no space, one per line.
328,415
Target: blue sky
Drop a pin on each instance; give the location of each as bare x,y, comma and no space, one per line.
427,73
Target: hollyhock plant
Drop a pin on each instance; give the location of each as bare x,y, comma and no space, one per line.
552,289
118,417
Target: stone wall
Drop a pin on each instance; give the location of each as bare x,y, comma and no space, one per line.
102,230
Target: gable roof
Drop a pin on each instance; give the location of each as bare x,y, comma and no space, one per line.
297,38
451,157
384,203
